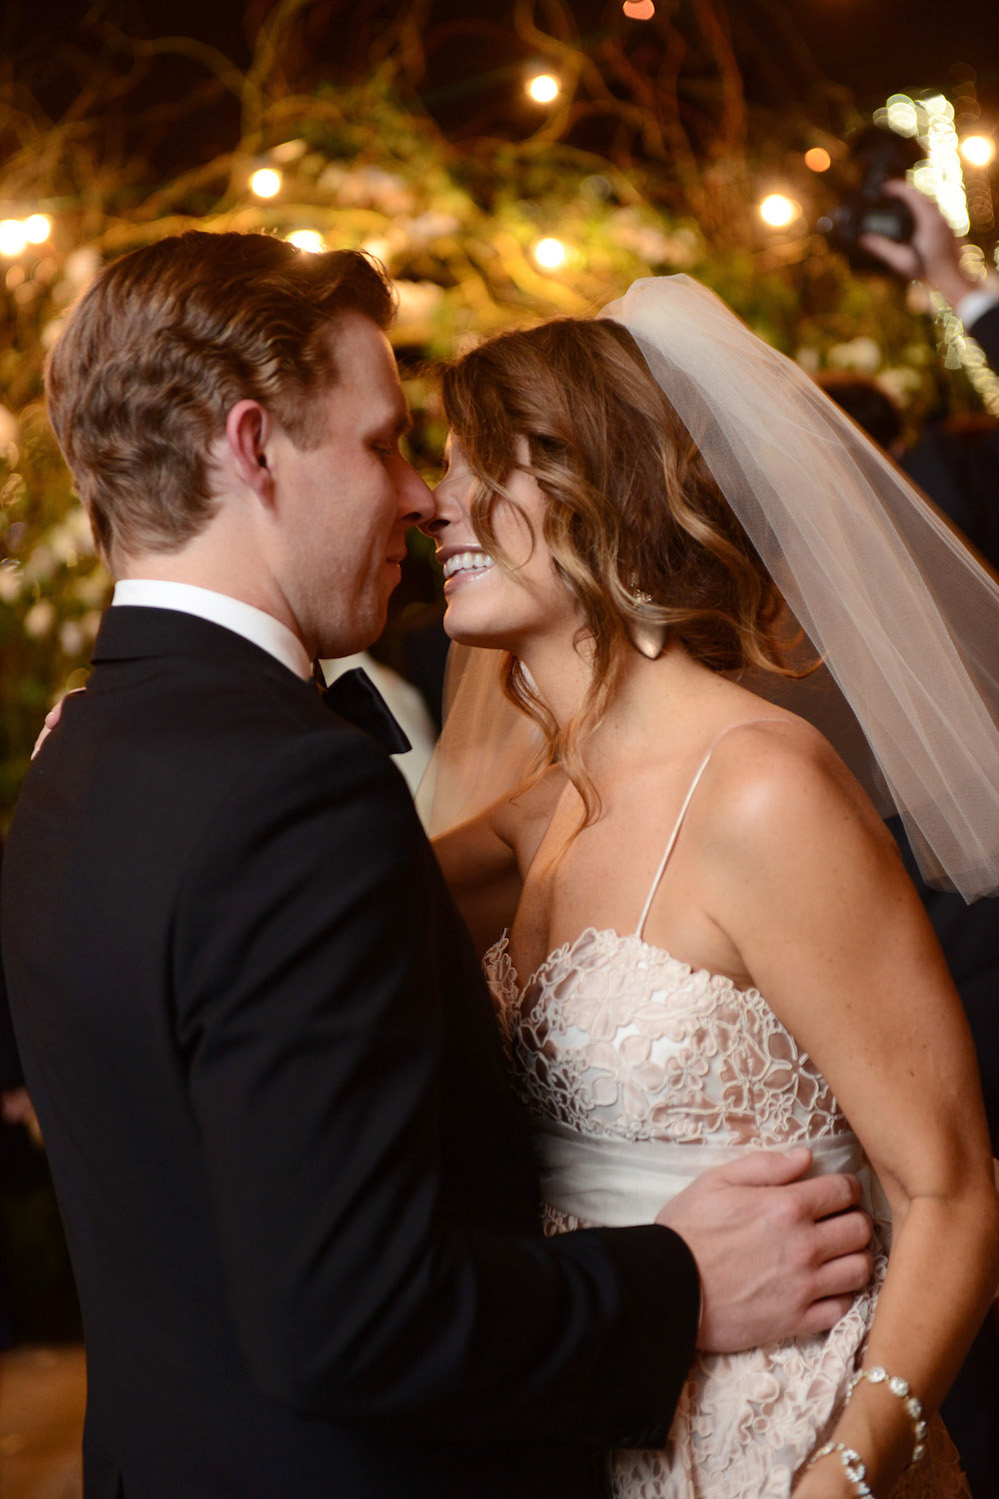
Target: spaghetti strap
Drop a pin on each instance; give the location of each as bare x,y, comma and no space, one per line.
683,812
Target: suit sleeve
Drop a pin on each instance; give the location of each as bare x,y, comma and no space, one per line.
11,1075
985,330
307,1012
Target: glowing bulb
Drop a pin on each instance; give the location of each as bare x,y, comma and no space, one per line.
308,239
778,211
13,237
639,10
818,160
37,228
543,88
549,254
978,150
266,183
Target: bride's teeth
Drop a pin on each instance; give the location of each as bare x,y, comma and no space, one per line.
467,562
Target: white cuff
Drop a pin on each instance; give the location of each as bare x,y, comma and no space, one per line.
976,303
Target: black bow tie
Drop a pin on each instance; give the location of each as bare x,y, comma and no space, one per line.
355,697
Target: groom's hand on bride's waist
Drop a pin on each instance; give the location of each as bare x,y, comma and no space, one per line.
780,1255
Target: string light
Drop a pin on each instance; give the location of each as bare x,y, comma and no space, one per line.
37,228
639,10
265,183
543,88
818,159
778,211
978,150
307,239
549,254
13,237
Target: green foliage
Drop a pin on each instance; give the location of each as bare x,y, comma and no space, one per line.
365,165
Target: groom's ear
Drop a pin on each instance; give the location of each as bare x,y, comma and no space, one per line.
248,432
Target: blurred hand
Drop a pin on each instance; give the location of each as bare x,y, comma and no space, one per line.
779,1256
15,1108
933,254
52,718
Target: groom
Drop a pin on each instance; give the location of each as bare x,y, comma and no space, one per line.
299,1198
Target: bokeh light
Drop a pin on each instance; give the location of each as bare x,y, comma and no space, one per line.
307,239
901,115
778,211
37,228
13,237
978,150
266,183
550,254
639,10
543,88
818,159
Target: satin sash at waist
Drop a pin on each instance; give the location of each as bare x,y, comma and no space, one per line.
619,1183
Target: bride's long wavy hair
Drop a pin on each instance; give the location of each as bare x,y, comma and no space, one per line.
631,509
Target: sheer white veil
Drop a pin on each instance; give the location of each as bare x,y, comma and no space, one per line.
903,616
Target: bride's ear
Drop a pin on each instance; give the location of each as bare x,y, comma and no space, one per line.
245,447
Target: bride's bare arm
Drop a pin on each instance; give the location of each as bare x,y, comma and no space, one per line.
484,859
480,866
805,881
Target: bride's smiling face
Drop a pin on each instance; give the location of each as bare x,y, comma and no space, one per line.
502,603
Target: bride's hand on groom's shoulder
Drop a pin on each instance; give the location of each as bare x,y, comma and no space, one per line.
52,718
779,1255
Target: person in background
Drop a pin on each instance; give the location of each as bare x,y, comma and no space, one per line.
933,256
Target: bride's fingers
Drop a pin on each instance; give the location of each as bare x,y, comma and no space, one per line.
52,718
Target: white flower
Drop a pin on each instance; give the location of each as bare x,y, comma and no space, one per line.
860,354
71,637
51,332
39,619
900,382
368,187
417,299
432,225
80,268
62,544
41,563
10,585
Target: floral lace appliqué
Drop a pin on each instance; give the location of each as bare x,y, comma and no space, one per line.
618,1039
615,1037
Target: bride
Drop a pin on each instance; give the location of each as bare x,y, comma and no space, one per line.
698,933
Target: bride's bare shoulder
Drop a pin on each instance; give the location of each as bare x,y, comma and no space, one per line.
778,781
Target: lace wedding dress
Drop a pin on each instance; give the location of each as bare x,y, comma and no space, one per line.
639,1072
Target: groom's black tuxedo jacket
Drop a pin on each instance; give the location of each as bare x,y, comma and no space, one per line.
986,330
298,1195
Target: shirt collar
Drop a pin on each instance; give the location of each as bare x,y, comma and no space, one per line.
253,624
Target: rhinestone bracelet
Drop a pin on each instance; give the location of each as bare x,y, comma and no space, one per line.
900,1387
853,1466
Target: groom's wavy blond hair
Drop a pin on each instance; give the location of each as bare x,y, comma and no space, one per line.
631,509
161,346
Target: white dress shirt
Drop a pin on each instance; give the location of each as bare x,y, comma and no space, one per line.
976,303
243,619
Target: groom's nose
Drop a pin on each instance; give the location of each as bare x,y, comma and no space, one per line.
416,500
